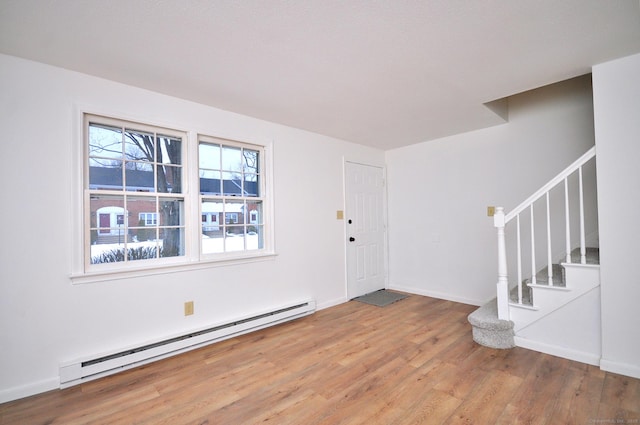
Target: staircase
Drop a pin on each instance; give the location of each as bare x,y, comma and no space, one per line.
557,308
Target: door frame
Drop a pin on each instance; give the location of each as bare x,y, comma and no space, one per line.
385,252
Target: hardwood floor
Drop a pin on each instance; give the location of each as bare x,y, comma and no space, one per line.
412,362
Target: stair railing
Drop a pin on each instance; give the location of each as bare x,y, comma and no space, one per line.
501,219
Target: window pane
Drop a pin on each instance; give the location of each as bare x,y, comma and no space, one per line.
169,179
139,146
209,156
254,212
212,229
251,185
231,184
171,212
172,242
232,159
139,177
234,212
105,142
103,176
145,209
108,228
211,212
210,182
250,161
169,150
234,238
255,237
212,243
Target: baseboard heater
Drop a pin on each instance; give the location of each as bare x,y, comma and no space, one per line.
82,370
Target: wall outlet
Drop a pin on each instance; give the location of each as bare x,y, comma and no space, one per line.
188,308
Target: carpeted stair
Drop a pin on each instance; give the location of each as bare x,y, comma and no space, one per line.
542,277
492,332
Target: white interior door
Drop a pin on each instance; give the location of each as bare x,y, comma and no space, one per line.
364,189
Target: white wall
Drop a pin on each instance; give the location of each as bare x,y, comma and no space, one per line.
45,319
441,242
616,87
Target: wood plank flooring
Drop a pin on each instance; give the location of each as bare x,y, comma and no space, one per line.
412,362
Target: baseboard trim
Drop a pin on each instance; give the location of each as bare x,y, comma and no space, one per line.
632,371
23,391
331,303
439,295
555,350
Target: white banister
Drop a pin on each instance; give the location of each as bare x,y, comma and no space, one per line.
551,183
503,282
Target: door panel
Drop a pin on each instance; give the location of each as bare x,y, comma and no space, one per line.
365,229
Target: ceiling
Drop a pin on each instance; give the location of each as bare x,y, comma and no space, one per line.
383,73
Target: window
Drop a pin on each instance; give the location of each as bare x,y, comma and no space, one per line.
138,210
231,186
147,219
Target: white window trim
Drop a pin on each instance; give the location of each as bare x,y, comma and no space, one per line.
193,259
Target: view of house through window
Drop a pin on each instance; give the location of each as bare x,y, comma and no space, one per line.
231,197
136,202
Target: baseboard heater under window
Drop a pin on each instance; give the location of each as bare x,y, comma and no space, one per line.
78,371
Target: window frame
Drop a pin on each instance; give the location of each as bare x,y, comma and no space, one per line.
85,272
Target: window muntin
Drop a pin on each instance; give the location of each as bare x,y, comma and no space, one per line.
231,199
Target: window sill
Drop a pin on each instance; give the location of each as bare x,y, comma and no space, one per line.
127,273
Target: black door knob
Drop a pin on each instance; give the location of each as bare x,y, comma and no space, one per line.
352,239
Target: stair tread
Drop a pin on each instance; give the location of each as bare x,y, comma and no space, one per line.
542,277
592,255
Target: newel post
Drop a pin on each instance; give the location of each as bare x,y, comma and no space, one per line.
503,283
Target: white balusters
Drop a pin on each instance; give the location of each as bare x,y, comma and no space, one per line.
519,259
549,259
533,248
583,249
567,221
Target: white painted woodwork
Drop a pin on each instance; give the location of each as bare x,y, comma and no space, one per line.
364,188
533,246
503,283
519,259
583,278
567,222
583,247
529,203
549,255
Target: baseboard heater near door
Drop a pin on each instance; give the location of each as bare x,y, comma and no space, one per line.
82,370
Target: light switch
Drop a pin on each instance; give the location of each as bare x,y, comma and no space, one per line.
340,215
491,211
